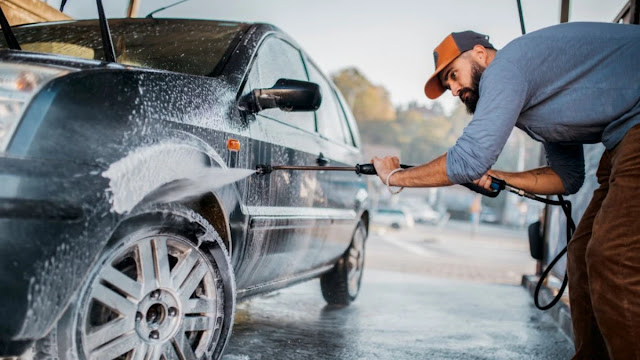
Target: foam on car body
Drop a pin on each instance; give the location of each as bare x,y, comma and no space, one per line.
146,169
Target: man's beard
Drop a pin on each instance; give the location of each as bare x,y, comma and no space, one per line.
472,93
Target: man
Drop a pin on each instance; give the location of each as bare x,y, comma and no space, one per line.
565,86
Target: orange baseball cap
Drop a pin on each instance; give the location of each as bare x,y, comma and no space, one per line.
449,49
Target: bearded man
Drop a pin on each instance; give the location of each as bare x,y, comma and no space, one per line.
566,85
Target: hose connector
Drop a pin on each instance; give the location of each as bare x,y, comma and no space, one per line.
263,169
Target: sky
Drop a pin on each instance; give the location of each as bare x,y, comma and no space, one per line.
389,41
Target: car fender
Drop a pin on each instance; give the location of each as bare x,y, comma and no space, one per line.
145,172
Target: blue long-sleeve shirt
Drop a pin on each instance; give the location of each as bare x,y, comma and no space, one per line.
565,85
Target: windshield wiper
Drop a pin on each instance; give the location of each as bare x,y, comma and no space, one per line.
107,42
12,42
105,33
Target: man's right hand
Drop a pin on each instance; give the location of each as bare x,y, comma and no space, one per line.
384,166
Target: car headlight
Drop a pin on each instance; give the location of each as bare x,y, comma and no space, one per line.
18,84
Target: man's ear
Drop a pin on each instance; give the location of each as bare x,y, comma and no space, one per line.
480,53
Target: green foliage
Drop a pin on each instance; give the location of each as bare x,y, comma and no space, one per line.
368,102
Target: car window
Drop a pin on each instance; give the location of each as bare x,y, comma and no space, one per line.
390,211
277,59
351,129
345,127
330,118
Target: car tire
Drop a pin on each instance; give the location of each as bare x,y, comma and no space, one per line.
162,287
341,285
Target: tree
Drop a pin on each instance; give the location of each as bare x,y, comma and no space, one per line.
368,102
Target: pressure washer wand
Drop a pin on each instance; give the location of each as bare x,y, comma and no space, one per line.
368,169
364,169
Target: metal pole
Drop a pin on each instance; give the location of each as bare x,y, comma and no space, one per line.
521,18
564,11
8,33
132,11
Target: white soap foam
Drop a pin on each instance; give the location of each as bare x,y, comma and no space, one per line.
145,170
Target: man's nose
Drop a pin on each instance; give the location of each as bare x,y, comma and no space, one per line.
455,89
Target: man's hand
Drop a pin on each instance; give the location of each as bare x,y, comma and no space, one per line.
431,174
385,165
485,180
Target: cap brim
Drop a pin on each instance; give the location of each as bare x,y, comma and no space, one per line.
433,88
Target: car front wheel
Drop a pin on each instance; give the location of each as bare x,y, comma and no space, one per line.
158,292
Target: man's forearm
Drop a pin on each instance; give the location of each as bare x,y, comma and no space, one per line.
430,174
542,181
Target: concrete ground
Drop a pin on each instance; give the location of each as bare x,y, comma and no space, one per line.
427,293
492,254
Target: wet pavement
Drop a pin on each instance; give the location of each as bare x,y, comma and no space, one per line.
413,314
492,254
398,316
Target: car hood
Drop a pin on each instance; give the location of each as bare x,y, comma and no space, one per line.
56,60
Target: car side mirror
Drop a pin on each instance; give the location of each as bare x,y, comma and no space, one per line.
286,94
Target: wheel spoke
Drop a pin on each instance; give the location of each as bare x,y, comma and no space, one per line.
199,306
197,323
147,266
109,331
352,263
351,275
162,262
122,282
192,281
183,347
140,352
155,351
169,351
113,300
117,347
183,268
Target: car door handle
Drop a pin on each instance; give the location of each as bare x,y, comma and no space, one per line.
321,160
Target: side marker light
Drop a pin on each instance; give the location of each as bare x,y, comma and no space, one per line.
233,145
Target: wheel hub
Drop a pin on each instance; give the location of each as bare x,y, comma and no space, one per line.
158,316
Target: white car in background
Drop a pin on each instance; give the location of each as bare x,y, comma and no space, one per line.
394,218
424,214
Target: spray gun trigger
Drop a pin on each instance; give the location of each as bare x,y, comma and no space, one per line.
497,184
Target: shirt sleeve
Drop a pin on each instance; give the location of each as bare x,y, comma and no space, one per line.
568,162
503,93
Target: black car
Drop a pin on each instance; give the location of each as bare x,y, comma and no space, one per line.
112,242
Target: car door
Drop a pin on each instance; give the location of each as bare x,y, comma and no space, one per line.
347,189
287,222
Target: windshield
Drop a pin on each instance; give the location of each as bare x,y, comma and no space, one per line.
186,46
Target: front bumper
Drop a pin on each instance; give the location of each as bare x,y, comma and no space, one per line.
54,220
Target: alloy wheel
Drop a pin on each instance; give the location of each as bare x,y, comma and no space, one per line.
155,298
